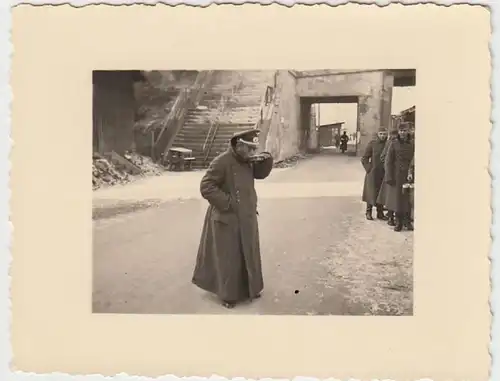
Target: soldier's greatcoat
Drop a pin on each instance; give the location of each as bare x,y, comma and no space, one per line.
374,168
397,163
228,263
411,170
343,141
381,197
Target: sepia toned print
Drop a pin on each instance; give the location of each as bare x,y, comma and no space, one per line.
109,290
279,192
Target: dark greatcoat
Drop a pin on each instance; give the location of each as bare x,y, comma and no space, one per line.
374,168
397,163
228,263
382,194
343,141
411,171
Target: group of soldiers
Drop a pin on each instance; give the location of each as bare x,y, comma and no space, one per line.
390,175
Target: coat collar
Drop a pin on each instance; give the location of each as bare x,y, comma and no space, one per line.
407,140
236,156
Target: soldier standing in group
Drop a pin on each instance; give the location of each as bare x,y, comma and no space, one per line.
381,198
411,180
228,263
374,168
397,164
411,170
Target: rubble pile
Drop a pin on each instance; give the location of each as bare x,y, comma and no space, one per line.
290,161
146,164
104,173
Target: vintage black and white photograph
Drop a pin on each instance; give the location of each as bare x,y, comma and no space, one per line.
257,192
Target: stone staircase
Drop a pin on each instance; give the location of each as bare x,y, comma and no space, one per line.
231,103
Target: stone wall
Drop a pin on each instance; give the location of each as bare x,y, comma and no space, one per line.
113,111
388,84
339,85
312,131
284,134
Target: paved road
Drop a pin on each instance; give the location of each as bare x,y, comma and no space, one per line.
320,256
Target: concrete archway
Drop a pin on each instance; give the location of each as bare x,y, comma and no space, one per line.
311,132
295,91
370,89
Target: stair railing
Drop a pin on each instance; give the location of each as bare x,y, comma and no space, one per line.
214,126
212,131
266,103
173,114
266,110
187,98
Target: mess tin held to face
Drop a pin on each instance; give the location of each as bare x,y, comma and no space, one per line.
246,144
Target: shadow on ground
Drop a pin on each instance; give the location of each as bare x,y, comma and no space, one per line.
116,208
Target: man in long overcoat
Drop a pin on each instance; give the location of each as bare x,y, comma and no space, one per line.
382,194
343,142
228,263
397,164
374,168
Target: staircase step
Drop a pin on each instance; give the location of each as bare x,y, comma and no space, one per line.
199,142
231,121
243,93
226,119
194,142
220,126
238,108
230,113
235,97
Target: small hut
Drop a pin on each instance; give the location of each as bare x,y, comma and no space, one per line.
405,116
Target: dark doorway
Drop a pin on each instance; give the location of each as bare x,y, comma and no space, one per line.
324,119
325,136
329,135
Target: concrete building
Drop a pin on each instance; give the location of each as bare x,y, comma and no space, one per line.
114,110
370,90
280,103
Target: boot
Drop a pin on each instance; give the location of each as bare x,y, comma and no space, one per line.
399,223
390,218
369,216
408,224
380,213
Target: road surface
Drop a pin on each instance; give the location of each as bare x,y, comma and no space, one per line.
320,255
